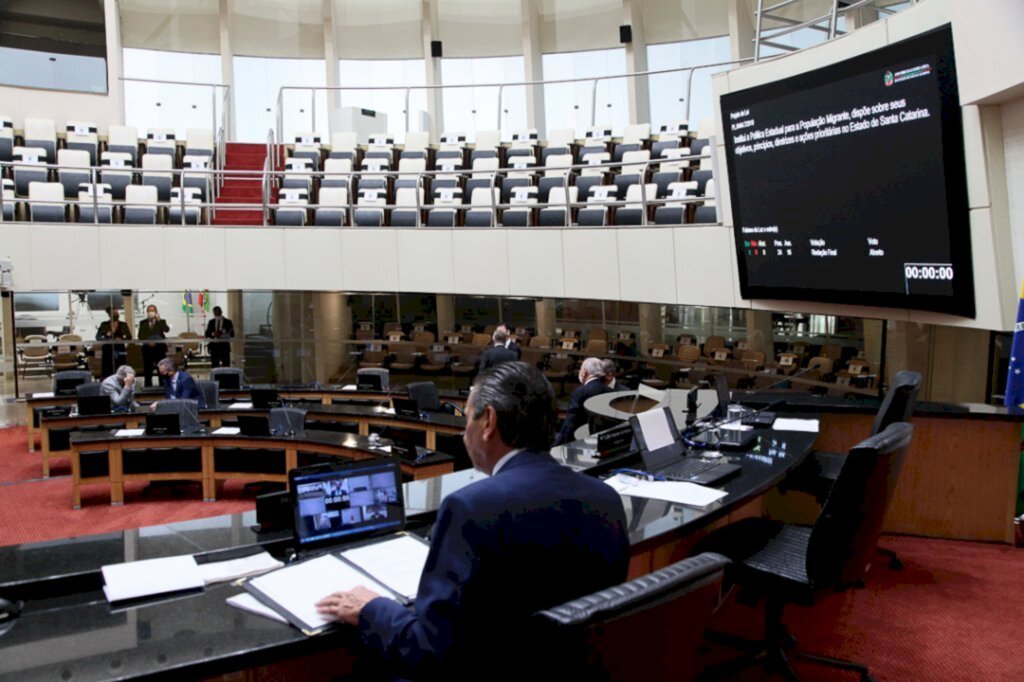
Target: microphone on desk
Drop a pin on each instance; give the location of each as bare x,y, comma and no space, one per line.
689,434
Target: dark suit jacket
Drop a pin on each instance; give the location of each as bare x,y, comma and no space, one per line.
514,347
227,329
531,537
186,389
495,355
576,414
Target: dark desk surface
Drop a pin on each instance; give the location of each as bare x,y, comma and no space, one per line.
68,631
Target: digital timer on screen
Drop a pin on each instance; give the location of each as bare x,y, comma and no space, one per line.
848,182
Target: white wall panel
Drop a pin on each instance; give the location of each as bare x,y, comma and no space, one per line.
369,260
425,261
647,270
65,257
16,244
480,259
194,258
147,264
312,260
591,263
255,258
535,263
704,266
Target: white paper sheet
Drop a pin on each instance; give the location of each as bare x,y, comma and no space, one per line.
806,425
247,602
299,587
349,387
240,406
223,571
136,579
43,394
125,433
398,563
737,426
679,492
654,426
227,431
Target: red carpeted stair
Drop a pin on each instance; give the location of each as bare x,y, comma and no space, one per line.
244,188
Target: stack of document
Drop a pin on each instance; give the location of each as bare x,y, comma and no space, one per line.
223,571
136,579
227,431
805,425
397,563
679,492
240,406
127,433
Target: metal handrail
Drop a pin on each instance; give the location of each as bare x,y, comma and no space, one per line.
225,97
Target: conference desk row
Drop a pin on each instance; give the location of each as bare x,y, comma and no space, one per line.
36,402
69,631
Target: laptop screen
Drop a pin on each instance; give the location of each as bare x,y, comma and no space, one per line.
228,382
722,389
406,407
94,404
65,386
657,438
163,425
336,501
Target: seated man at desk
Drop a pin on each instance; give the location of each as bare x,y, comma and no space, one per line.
591,383
178,384
120,388
532,536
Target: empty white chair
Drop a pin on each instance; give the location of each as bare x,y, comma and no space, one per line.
95,203
6,138
369,211
297,173
7,199
488,139
481,211
42,133
557,165
484,167
706,127
380,147
674,130
595,214
332,205
705,158
561,138
524,139
190,199
409,169
636,133
707,213
199,142
672,159
674,209
140,206
416,143
444,213
157,170
556,213
29,166
41,192
521,166
203,182
452,142
161,141
406,212
631,161
343,146
634,212
73,170
595,159
307,146
292,203
124,139
82,135
523,200
337,172
117,179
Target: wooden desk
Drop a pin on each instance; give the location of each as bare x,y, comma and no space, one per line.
337,445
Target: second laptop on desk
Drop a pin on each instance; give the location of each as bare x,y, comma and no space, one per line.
664,453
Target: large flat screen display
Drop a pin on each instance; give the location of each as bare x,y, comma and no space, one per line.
848,183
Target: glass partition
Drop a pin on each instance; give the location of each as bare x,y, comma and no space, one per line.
170,104
668,91
258,81
572,105
53,70
386,73
479,108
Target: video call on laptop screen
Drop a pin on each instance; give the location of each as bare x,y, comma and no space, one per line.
337,504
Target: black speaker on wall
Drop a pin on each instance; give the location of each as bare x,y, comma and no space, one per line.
435,48
625,34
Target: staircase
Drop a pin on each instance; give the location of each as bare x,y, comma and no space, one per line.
242,188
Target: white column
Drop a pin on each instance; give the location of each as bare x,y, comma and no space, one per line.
636,60
432,65
533,66
331,60
227,70
741,29
115,65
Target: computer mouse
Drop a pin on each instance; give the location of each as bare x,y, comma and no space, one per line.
9,610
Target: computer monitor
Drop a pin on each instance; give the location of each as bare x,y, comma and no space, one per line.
406,407
254,425
722,390
405,444
94,404
370,382
657,438
346,500
163,424
229,381
265,398
66,386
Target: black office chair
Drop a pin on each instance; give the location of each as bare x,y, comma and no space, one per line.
647,629
287,420
89,390
210,391
787,564
426,396
188,419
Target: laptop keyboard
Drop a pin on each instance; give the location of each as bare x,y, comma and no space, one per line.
688,468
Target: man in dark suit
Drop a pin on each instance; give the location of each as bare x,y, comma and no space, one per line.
178,384
509,342
152,329
531,536
591,383
497,353
220,330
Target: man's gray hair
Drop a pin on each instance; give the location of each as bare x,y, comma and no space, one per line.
169,364
593,367
499,336
608,365
523,402
124,371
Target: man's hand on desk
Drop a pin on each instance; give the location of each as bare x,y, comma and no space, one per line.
345,606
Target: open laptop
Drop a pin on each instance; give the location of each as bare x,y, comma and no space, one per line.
406,407
405,446
255,425
345,501
663,451
163,425
89,405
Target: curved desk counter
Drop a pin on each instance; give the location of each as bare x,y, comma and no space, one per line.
69,631
207,470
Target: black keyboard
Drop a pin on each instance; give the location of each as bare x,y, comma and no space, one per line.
701,471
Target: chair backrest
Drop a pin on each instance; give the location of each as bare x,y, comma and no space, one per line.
287,421
845,535
187,411
425,395
900,399
215,372
211,392
648,629
385,376
71,374
89,390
